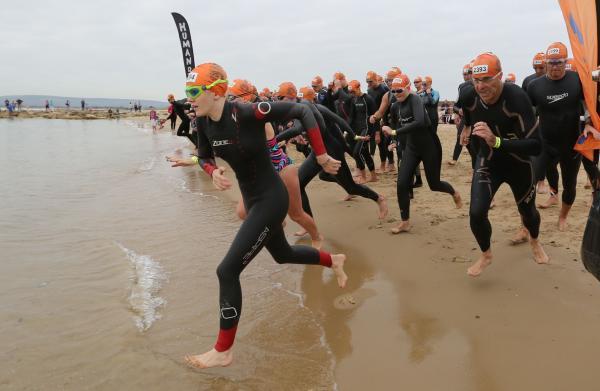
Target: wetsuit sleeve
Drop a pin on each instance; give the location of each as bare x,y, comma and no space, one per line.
296,130
418,110
431,99
171,115
523,111
206,156
284,111
329,115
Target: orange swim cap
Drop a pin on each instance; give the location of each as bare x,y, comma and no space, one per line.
401,81
243,89
393,73
371,75
307,94
511,77
354,85
466,69
428,80
170,96
207,73
339,76
557,51
317,80
287,90
486,65
539,59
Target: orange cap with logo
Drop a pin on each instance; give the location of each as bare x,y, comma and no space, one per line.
570,65
207,73
243,89
287,90
466,69
307,93
339,76
371,75
393,73
539,59
557,51
486,65
401,81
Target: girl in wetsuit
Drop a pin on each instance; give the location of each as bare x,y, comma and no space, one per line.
236,133
244,91
408,117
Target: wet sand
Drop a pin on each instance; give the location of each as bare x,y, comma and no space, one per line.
411,318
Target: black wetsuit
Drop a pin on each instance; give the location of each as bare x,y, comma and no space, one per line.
559,105
332,128
512,119
239,139
463,89
342,101
385,155
361,108
528,80
410,118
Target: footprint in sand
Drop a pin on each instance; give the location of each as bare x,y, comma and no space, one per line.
344,302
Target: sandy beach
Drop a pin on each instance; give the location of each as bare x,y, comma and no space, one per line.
411,318
78,114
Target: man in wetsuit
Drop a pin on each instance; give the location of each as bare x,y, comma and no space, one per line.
503,124
430,98
511,78
459,117
377,91
558,99
179,109
361,107
539,67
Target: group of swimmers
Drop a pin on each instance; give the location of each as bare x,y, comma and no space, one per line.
514,135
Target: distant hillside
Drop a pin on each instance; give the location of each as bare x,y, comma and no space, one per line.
59,101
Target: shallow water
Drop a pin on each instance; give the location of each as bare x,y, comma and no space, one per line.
107,270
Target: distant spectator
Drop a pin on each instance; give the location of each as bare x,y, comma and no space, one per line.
153,119
6,103
47,105
82,104
19,103
110,112
173,118
130,106
11,107
68,104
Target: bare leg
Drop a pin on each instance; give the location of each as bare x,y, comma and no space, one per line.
383,208
289,175
373,176
210,359
522,236
240,210
562,217
457,199
484,261
542,188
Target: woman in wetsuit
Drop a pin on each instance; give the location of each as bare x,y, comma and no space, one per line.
235,132
408,117
244,91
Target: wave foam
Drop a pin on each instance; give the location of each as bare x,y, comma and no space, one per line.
146,284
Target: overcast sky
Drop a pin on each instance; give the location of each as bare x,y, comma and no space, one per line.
130,49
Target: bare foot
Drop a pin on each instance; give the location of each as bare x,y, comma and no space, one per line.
373,177
317,243
539,255
302,232
522,236
210,359
451,162
484,261
550,202
402,227
360,180
349,197
457,199
383,208
337,265
562,224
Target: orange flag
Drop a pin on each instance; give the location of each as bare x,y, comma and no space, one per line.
581,17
